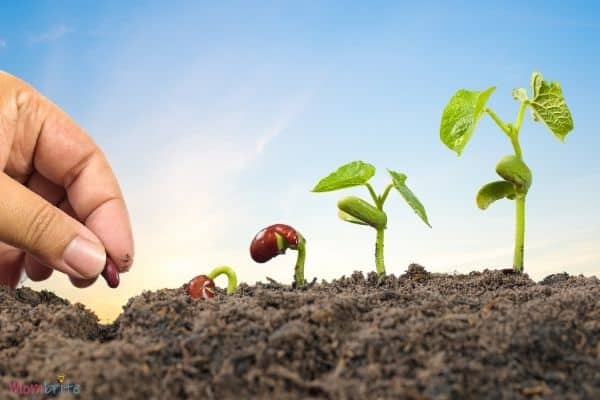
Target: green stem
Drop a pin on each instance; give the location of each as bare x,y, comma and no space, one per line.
516,146
519,252
231,277
379,264
519,234
299,269
373,194
505,128
520,116
385,194
514,137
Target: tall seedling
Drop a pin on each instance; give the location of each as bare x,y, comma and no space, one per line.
358,211
459,121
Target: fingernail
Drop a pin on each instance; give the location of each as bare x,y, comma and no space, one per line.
85,257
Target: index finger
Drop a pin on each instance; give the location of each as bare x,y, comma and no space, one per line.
67,156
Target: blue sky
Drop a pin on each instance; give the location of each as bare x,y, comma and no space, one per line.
218,119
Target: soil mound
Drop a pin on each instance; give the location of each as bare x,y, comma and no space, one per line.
421,335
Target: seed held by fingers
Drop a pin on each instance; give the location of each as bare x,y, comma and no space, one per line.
111,273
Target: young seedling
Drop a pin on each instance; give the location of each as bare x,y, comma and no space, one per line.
459,121
358,211
276,239
203,286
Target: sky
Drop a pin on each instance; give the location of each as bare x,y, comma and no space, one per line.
218,119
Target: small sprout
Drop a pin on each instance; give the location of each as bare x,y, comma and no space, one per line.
358,211
276,239
110,273
459,121
203,286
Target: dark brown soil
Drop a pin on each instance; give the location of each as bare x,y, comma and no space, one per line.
485,335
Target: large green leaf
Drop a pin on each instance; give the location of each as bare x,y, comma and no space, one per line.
549,106
494,191
363,211
514,170
460,117
354,173
344,216
399,181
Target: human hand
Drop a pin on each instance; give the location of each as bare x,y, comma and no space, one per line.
61,207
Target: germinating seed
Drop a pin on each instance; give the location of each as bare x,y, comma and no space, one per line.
201,287
276,239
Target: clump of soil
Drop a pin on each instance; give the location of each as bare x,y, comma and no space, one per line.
417,336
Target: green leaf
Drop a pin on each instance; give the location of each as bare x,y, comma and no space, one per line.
363,211
520,94
494,191
460,117
536,82
399,181
514,170
349,218
548,105
354,173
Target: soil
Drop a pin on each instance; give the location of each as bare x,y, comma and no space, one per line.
421,335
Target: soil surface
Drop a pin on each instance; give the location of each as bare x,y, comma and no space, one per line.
488,334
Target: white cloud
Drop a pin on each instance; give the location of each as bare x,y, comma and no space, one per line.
52,35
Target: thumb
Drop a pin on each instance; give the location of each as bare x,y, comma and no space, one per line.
30,223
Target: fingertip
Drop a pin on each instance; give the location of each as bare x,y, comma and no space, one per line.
125,263
82,283
110,222
11,276
11,266
36,271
